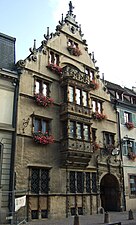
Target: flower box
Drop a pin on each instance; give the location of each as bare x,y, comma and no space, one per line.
43,100
98,116
95,146
95,85
132,156
55,68
43,138
129,125
74,50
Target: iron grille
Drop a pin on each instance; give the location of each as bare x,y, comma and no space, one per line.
35,181
80,182
44,180
72,182
88,186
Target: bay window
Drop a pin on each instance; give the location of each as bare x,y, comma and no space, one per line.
79,130
78,96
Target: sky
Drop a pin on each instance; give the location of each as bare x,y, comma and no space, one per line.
107,25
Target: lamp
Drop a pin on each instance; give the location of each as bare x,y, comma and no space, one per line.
115,152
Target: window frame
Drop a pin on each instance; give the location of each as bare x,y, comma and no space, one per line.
109,138
54,58
78,131
97,106
39,180
130,187
41,120
41,87
78,96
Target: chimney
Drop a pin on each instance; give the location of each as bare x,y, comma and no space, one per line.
7,51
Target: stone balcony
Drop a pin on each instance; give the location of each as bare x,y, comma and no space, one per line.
76,109
75,153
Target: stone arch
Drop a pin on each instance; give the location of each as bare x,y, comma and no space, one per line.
109,193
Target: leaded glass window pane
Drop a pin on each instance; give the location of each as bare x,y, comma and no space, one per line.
72,182
78,96
35,181
85,100
86,132
79,131
72,129
88,183
44,180
71,94
94,185
80,182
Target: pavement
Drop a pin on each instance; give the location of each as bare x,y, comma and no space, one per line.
95,219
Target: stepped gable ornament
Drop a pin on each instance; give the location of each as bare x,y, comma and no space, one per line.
33,52
20,65
70,8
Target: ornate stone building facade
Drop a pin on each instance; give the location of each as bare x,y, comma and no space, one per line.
67,134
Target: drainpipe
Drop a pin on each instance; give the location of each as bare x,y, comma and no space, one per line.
122,171
12,162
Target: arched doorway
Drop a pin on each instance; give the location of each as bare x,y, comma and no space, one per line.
110,195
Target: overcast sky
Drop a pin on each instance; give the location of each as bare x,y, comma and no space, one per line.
108,27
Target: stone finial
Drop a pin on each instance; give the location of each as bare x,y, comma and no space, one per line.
70,8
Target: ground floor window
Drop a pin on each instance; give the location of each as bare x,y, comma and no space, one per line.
132,181
82,182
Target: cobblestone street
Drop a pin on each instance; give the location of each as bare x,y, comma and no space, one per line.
97,219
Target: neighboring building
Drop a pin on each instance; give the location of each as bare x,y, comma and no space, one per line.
67,134
124,101
8,107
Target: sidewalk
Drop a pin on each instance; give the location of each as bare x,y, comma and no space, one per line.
97,219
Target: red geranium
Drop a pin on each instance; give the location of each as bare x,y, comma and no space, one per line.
43,100
43,138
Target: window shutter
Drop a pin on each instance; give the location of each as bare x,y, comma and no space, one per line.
134,147
122,117
134,119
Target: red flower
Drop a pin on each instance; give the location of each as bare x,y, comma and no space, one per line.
43,100
55,68
132,156
98,116
95,85
129,125
43,138
74,50
95,146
